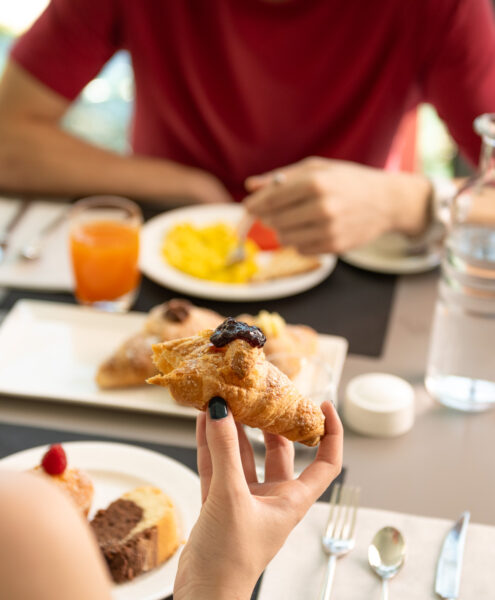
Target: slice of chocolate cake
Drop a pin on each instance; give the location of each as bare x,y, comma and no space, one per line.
137,532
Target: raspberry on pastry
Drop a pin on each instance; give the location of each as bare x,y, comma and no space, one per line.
74,482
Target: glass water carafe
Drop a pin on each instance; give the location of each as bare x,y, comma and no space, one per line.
461,363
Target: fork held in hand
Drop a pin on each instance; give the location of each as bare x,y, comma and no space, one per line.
338,538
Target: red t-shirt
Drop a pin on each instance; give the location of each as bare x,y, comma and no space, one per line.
238,87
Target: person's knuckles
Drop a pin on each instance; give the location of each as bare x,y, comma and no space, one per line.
323,246
275,443
259,205
296,503
314,162
318,183
289,238
284,222
326,208
231,494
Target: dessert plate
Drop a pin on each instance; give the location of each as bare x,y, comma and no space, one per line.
51,351
154,266
118,468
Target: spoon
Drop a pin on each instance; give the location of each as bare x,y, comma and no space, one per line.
386,555
32,250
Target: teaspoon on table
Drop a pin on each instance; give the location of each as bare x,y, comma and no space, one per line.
32,250
386,555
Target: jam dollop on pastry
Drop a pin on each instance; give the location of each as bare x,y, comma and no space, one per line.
196,368
231,330
177,311
179,318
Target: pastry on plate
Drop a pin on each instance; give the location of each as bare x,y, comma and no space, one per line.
179,318
285,262
229,362
285,345
131,364
137,532
74,482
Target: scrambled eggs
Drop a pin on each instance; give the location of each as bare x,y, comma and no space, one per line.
203,252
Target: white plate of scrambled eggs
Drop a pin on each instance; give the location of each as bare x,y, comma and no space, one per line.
185,250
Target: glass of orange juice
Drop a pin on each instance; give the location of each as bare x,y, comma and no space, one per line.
104,248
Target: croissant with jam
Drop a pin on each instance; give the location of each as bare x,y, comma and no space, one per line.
230,362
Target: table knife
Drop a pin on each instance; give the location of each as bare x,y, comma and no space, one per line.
449,565
7,231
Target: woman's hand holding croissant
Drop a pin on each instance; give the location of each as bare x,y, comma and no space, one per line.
244,523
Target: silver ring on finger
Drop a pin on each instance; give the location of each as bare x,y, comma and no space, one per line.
279,178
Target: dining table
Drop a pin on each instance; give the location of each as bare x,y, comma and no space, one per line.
438,469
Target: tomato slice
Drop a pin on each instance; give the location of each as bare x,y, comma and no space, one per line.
265,237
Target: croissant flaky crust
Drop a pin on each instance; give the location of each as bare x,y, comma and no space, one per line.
258,394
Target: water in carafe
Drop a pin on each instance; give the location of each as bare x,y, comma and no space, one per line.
461,362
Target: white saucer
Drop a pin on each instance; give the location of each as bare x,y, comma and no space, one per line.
373,257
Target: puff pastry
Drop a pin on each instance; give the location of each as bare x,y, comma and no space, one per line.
258,394
131,364
285,344
285,262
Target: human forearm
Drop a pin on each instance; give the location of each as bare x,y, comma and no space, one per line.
205,591
211,576
37,157
40,528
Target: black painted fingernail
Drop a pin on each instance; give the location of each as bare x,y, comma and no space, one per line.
218,408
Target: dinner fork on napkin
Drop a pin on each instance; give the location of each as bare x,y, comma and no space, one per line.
338,537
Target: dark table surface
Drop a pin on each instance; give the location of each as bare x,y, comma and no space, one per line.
351,303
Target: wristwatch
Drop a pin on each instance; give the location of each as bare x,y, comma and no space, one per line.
442,193
440,201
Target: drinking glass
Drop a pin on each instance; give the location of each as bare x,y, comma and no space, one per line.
104,249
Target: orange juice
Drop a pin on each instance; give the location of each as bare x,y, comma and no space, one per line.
104,259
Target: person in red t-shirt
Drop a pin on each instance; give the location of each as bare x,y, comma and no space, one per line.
228,89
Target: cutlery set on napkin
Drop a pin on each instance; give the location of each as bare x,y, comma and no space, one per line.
387,551
406,546
33,245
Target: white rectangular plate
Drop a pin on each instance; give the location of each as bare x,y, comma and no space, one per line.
50,351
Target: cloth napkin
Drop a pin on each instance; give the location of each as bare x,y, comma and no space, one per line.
297,572
52,270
